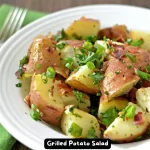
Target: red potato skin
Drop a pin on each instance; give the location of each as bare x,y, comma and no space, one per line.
50,114
129,139
43,51
75,43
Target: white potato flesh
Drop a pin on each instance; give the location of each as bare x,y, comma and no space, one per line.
85,122
143,98
136,35
119,102
70,99
81,80
125,130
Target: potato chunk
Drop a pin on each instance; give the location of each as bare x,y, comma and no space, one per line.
118,80
69,98
126,130
136,35
79,124
83,27
46,97
119,102
42,54
143,98
80,80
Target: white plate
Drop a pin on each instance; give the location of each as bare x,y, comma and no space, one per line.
12,108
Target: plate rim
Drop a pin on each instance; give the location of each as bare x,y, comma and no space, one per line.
4,121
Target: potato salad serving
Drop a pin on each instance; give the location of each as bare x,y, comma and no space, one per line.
90,82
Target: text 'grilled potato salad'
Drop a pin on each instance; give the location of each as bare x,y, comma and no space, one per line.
90,82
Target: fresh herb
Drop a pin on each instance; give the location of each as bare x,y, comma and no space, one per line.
131,57
105,39
50,73
69,63
79,96
136,43
35,112
106,92
97,77
38,66
44,77
109,116
23,61
91,39
19,85
91,133
90,65
148,68
117,72
75,130
71,109
138,138
129,67
98,94
62,35
128,112
61,45
87,45
77,37
143,75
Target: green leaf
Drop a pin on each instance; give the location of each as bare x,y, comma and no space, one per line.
61,45
35,112
75,130
143,75
128,112
79,96
109,116
90,65
91,39
50,73
136,43
19,85
44,78
131,57
97,77
91,133
62,35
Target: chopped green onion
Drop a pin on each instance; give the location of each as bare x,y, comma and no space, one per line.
19,85
61,45
106,92
143,75
128,112
105,39
77,37
98,94
44,77
79,96
75,130
97,77
90,65
91,133
38,66
117,72
35,112
130,66
129,41
50,73
131,57
87,45
69,63
148,68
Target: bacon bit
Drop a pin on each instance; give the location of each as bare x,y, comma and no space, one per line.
139,119
131,49
52,90
132,95
146,84
119,51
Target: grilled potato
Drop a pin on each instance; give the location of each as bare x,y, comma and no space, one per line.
79,124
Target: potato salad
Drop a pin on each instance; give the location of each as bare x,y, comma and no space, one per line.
90,82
